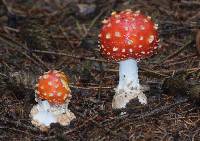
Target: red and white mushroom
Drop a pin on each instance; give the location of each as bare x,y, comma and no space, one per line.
127,37
53,95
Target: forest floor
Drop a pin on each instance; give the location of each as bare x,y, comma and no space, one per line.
36,36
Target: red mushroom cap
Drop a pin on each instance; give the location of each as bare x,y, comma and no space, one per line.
53,87
128,35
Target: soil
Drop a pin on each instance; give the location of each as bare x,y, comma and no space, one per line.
36,36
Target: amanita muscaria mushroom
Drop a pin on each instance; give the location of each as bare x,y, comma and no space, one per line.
53,95
127,37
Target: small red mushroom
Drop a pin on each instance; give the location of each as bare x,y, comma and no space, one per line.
127,37
53,96
53,87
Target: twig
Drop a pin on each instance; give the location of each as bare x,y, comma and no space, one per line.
16,45
66,36
91,25
177,51
190,2
198,42
146,71
71,56
98,60
11,29
157,111
191,70
90,87
148,114
181,58
153,72
4,75
193,17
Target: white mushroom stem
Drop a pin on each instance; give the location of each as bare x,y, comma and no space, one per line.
44,113
128,87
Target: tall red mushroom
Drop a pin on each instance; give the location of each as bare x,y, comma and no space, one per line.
53,95
127,37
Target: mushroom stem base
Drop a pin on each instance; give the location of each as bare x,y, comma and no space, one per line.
128,87
43,114
123,96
